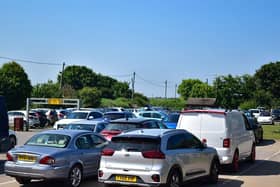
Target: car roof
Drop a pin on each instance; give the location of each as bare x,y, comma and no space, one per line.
132,120
88,122
117,112
71,132
149,132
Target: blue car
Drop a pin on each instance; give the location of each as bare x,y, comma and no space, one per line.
171,121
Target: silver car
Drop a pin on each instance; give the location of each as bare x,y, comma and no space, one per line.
69,155
154,157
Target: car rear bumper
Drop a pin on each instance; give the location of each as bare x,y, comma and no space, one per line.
225,155
37,171
143,177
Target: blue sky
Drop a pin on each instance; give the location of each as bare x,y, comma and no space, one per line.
158,39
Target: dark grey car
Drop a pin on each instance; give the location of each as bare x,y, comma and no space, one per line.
66,155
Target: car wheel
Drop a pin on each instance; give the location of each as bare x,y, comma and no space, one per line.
235,162
13,141
214,172
75,176
252,156
174,178
23,180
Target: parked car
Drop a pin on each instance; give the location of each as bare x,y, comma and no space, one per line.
33,119
152,115
68,155
118,126
275,114
227,131
4,126
172,120
157,157
12,139
255,112
265,118
118,115
62,113
91,125
77,115
51,116
41,114
257,128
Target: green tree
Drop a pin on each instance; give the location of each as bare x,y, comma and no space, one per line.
78,77
121,89
228,91
185,88
15,85
90,97
202,90
47,90
268,78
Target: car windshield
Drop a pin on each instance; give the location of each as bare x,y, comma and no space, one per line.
121,126
134,143
49,140
265,114
80,127
77,115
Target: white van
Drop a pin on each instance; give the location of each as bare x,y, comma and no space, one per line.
228,132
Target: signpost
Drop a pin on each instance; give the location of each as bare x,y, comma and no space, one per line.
49,101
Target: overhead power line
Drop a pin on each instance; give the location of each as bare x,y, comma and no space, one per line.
30,61
150,82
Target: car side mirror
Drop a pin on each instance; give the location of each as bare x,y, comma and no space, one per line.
90,117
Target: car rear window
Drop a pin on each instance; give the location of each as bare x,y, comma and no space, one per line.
49,140
134,144
113,116
121,126
80,127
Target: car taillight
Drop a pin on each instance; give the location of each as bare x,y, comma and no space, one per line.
107,152
226,143
9,157
47,160
153,154
156,178
204,140
100,173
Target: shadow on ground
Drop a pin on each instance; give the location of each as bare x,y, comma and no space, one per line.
266,143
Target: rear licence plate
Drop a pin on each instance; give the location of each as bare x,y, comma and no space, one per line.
126,178
26,158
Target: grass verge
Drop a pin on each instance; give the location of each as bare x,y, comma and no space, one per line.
271,132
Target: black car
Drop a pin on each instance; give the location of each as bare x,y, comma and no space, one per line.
275,115
257,128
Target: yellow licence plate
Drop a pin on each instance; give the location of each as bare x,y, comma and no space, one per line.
26,158
125,178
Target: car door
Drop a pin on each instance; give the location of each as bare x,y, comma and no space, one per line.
89,154
187,157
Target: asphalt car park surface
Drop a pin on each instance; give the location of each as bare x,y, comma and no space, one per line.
264,172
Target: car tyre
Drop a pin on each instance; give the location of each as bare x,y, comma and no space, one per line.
252,157
235,162
75,176
13,142
214,172
174,178
22,180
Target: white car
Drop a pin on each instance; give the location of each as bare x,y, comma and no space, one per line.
77,115
33,119
157,157
229,132
265,118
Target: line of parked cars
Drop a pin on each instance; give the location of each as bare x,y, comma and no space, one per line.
136,151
